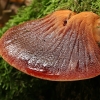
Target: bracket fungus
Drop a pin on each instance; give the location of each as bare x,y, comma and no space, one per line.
62,46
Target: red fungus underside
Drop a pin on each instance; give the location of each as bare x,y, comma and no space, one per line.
58,47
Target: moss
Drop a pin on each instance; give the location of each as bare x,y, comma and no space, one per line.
40,8
15,85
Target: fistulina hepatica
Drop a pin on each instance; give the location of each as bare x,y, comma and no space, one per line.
62,46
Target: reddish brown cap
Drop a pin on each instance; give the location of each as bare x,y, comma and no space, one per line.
60,47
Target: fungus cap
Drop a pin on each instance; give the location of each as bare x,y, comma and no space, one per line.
61,46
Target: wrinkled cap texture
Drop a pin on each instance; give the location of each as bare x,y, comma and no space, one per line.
61,46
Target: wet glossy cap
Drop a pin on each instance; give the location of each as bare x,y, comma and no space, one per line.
61,46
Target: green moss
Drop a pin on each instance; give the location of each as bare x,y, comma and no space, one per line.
15,85
40,8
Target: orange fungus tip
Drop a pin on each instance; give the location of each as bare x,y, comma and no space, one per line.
61,46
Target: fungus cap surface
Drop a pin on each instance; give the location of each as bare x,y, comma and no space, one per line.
60,47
